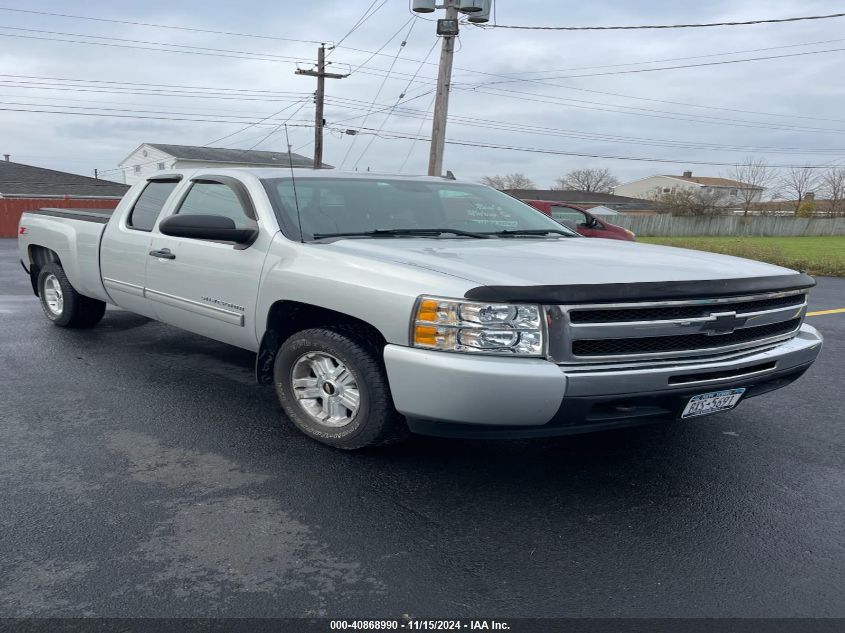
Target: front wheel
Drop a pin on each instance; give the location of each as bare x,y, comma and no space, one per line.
332,385
62,304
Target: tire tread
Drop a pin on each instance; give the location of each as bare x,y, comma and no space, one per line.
79,311
365,351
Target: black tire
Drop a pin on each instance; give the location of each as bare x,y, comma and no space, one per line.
376,422
74,310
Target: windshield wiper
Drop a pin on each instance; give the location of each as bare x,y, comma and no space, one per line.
540,232
401,232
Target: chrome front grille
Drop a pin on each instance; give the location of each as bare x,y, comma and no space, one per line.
672,329
664,312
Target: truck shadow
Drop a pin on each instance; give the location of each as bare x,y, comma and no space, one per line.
512,467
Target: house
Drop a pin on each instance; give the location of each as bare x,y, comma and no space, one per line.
585,199
25,187
149,158
729,192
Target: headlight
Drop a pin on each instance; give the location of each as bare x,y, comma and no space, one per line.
467,326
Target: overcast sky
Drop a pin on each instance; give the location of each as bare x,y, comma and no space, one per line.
569,114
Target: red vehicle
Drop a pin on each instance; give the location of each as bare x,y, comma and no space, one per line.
581,220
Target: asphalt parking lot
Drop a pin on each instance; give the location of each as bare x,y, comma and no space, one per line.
144,473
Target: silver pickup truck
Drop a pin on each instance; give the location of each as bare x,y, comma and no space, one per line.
378,305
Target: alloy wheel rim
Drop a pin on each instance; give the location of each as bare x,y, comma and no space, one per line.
325,389
53,296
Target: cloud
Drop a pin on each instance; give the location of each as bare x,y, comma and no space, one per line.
794,87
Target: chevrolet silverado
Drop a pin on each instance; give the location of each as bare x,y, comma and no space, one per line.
378,305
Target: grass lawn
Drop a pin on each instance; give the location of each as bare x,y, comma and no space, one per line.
814,255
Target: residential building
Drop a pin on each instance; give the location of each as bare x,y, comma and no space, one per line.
585,199
25,187
149,158
728,191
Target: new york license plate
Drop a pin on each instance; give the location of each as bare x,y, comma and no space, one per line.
705,403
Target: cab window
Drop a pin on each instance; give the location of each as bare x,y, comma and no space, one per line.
213,198
572,215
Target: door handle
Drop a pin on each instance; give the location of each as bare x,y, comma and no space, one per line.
163,254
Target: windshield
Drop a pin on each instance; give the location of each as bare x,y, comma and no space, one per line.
331,206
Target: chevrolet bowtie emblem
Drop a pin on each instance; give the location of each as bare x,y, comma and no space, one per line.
723,323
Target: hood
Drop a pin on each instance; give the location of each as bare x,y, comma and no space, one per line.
530,262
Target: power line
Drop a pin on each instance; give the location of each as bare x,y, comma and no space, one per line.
382,47
539,150
265,58
108,109
499,125
127,116
191,91
652,113
252,125
423,119
398,100
348,103
177,46
351,104
366,16
381,87
398,135
660,26
209,31
671,59
278,127
158,26
649,70
172,48
130,83
148,93
698,105
99,102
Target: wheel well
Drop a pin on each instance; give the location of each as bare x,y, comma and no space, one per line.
39,256
288,317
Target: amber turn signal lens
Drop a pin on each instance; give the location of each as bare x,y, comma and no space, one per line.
425,335
427,311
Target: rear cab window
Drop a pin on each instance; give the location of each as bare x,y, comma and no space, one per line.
149,204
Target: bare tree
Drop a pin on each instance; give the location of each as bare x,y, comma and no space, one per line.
509,181
833,187
757,175
796,183
684,201
592,180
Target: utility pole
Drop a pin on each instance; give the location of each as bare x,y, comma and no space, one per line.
319,98
477,11
441,101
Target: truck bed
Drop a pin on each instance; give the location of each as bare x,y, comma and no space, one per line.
100,216
74,236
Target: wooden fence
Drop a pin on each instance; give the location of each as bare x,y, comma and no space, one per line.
11,209
726,225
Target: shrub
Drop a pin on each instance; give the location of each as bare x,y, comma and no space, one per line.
806,209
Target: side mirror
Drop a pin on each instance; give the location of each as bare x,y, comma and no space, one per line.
207,227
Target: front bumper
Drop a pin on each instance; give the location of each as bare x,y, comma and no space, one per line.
457,395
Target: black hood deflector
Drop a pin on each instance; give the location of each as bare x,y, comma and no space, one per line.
646,291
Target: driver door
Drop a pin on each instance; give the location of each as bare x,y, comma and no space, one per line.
206,286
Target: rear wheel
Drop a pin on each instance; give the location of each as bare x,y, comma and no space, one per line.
62,304
332,385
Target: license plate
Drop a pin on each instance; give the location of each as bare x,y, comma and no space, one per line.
705,403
